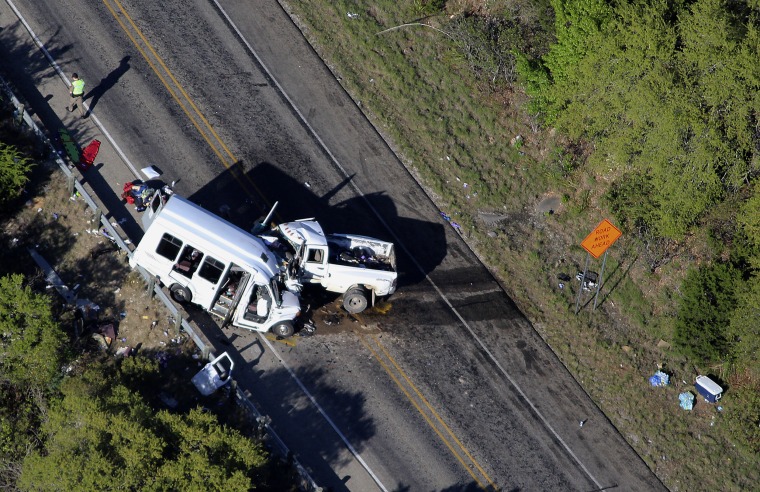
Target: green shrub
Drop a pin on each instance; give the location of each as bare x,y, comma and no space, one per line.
705,312
14,171
631,200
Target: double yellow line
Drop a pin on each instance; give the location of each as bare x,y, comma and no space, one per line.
185,102
196,117
426,410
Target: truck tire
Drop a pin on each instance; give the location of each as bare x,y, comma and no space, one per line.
283,329
181,294
355,301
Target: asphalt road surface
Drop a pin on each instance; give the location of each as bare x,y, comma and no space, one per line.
448,386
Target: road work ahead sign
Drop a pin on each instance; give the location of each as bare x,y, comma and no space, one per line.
601,238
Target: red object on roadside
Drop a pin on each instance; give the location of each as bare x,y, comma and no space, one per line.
127,195
88,156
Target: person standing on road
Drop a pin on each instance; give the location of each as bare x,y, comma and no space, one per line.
77,91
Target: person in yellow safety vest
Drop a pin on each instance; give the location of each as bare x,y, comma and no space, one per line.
76,91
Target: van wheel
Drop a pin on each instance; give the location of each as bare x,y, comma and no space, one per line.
181,294
355,301
283,329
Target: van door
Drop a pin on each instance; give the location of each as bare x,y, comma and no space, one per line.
314,264
255,307
207,280
154,207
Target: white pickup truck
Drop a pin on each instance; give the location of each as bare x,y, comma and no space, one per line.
359,267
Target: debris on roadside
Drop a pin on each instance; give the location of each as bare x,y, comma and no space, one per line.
686,400
448,219
659,379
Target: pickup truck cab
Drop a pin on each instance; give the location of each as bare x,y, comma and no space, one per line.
359,267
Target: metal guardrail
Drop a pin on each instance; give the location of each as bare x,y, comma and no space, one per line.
306,483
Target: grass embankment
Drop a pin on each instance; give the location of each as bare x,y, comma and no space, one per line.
452,129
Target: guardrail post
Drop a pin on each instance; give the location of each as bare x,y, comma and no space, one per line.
19,115
98,218
70,181
151,287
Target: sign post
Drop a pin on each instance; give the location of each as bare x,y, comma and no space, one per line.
599,284
601,238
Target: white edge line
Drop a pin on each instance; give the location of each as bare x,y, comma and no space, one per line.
404,248
324,414
66,81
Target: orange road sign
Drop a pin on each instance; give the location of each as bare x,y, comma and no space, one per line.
601,238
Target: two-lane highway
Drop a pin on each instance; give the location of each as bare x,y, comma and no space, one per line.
450,388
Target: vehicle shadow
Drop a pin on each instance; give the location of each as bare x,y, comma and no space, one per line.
245,197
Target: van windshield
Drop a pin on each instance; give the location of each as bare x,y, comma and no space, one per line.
280,245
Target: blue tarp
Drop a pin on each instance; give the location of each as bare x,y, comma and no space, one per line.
659,379
687,400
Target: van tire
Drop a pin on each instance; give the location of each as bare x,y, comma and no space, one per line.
283,329
181,294
355,300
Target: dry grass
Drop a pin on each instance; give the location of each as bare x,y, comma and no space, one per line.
63,230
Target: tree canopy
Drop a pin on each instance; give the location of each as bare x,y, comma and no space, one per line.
14,172
31,342
101,434
666,91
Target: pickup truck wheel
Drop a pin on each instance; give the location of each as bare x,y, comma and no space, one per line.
181,294
283,329
355,301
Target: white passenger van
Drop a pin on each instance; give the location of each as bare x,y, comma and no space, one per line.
208,261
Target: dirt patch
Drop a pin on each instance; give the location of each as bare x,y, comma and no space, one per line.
550,204
63,230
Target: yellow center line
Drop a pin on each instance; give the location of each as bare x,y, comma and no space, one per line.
163,80
432,410
176,83
419,409
287,341
228,165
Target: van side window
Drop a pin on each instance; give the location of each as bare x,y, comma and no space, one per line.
189,261
211,270
315,256
169,246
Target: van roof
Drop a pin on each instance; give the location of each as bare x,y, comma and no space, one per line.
212,232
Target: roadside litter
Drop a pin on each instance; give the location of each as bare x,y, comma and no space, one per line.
659,379
708,388
686,400
590,281
448,219
52,278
